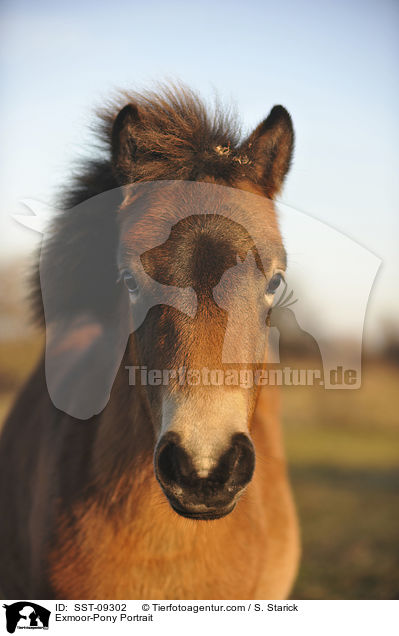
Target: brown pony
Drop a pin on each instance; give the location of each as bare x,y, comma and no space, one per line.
158,495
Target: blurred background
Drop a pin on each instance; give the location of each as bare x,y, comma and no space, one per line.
333,65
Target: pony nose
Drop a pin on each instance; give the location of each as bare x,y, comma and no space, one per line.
179,478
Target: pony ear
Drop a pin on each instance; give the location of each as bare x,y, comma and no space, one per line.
270,147
123,143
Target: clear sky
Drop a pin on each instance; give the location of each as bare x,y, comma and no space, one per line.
332,63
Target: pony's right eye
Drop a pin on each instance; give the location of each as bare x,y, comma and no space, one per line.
130,283
274,283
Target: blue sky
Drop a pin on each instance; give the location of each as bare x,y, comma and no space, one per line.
333,64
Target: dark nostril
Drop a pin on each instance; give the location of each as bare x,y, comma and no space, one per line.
166,463
173,463
237,465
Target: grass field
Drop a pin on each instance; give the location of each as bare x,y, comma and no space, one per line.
343,452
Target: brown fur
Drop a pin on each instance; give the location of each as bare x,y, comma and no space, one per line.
83,515
147,552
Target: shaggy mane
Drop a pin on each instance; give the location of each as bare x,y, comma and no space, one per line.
178,136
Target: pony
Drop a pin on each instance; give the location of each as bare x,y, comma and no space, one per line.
162,490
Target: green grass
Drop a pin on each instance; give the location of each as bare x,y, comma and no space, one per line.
343,452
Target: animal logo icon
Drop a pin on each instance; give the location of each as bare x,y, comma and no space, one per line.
25,615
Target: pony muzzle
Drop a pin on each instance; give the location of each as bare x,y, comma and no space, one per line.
195,495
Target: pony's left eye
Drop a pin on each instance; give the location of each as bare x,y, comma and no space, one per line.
130,283
274,284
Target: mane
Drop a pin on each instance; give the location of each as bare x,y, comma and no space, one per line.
178,137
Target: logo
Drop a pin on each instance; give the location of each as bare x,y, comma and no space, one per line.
26,615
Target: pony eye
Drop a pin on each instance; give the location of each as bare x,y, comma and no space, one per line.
130,283
274,284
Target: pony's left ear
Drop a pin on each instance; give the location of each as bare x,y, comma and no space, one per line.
123,143
270,148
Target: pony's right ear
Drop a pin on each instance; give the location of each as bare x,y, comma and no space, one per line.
270,148
123,143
